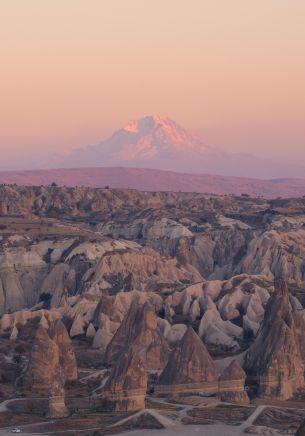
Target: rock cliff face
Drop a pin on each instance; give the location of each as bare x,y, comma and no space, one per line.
189,369
57,406
125,389
274,362
52,270
58,333
44,361
140,330
232,384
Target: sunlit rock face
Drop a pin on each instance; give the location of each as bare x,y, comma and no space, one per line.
275,361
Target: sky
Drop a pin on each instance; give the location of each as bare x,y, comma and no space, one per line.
73,71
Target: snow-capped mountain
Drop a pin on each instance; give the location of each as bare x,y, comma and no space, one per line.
150,142
160,143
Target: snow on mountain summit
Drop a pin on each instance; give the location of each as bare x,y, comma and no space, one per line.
160,143
150,141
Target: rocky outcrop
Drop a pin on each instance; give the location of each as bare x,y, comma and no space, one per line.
125,389
14,334
44,361
101,339
232,384
190,369
275,362
58,333
90,332
139,330
57,406
214,330
105,306
144,270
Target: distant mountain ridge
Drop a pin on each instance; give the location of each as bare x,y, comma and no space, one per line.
156,180
161,143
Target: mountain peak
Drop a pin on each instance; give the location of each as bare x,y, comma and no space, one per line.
149,121
152,141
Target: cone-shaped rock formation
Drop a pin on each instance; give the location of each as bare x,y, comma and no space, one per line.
125,389
190,368
44,361
140,331
274,362
58,333
232,384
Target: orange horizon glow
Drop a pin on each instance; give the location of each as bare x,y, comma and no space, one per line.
73,71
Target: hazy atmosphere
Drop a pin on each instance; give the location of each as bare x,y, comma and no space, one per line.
230,72
152,217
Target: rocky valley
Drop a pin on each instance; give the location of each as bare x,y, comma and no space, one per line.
125,309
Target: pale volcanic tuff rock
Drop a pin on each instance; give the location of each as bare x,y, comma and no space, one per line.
101,339
22,317
232,384
214,330
142,270
275,362
139,330
190,368
59,269
220,236
123,300
267,253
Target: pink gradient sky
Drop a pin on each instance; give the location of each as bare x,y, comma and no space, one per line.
72,71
